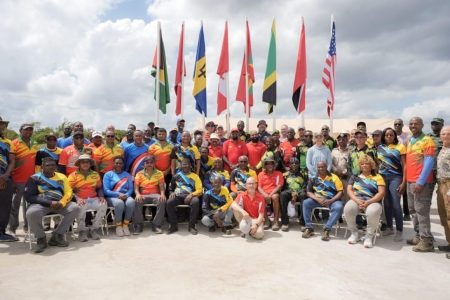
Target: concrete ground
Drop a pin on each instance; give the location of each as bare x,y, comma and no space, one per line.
214,266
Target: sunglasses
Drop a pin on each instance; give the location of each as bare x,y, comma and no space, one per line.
110,136
78,137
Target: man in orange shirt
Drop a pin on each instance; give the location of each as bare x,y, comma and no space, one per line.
233,149
270,183
162,149
104,155
256,149
215,147
288,147
25,151
70,154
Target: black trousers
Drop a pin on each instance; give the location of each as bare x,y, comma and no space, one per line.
5,205
286,197
171,208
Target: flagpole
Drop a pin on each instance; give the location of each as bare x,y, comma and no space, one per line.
182,72
227,113
334,80
158,62
247,104
302,116
274,121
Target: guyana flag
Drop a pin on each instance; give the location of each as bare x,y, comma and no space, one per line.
270,79
163,86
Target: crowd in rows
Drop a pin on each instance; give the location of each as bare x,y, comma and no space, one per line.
255,180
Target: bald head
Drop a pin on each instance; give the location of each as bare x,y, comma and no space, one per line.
445,136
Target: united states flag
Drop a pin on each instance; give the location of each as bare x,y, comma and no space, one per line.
328,70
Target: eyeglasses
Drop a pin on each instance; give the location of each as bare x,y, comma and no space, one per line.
110,136
78,137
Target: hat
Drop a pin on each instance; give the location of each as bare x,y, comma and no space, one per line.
3,121
377,132
361,123
149,157
26,125
234,129
174,129
262,122
180,120
276,132
360,131
301,128
97,133
210,123
343,133
50,134
214,136
84,157
268,158
437,120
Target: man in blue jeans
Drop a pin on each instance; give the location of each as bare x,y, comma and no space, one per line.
324,190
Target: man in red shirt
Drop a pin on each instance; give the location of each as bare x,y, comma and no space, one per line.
215,148
249,211
270,183
233,149
256,149
288,147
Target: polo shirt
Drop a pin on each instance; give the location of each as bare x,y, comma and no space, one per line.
104,157
416,150
366,187
55,188
6,148
184,184
295,182
66,142
216,151
390,159
148,183
134,158
255,152
25,160
268,182
180,152
46,152
238,178
253,206
162,155
326,187
221,201
288,149
68,157
356,154
232,150
85,186
115,184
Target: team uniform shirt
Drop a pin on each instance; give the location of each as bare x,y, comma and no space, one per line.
66,142
366,187
268,182
181,152
238,179
162,155
69,156
43,190
213,201
295,182
150,142
330,142
124,144
216,151
340,161
276,155
104,157
254,207
134,158
300,151
326,187
356,154
443,164
25,160
417,149
6,148
206,165
115,184
149,183
46,152
85,186
184,184
288,149
232,150
208,179
390,159
255,153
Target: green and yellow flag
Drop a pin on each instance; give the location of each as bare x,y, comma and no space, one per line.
164,94
270,79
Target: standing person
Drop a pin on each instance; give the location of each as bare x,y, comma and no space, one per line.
403,138
233,149
392,157
77,127
67,131
7,163
376,137
435,134
185,151
215,146
358,151
249,210
118,188
361,126
340,157
328,140
135,153
263,134
318,152
49,192
198,140
420,157
283,133
301,133
302,150
221,134
217,171
49,150
206,162
162,150
104,156
173,137
242,135
25,153
255,149
443,191
180,126
272,151
70,154
210,128
128,139
288,147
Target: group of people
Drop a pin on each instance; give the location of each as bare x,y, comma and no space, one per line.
253,180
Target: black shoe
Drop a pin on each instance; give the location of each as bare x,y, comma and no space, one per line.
41,245
157,230
444,248
447,255
138,228
383,227
4,237
192,229
406,218
58,240
227,230
172,229
212,229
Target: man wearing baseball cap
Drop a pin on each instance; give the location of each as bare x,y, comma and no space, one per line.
436,126
49,150
263,134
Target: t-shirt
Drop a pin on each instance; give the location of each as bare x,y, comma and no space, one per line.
134,158
66,142
85,186
326,187
239,178
162,155
220,201
232,150
288,149
117,183
253,206
45,152
206,165
181,152
104,157
255,152
55,188
417,149
68,157
149,183
390,159
295,182
356,154
224,175
6,147
366,187
268,182
25,159
216,151
183,184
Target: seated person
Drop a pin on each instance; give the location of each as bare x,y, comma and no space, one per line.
149,188
185,188
216,207
118,188
365,192
217,171
324,190
270,183
249,210
87,187
294,190
239,176
49,192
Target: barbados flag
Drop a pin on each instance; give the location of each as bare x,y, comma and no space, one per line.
199,90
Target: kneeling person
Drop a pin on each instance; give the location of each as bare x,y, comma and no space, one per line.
216,207
49,192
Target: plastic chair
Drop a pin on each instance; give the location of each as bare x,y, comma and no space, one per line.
28,235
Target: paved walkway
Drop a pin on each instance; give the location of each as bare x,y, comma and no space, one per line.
209,265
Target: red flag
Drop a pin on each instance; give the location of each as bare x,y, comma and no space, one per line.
247,70
299,91
222,71
179,73
329,70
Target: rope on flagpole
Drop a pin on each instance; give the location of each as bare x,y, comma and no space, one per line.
158,62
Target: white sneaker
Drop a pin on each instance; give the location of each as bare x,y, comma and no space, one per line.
368,241
119,231
354,238
126,230
388,231
398,236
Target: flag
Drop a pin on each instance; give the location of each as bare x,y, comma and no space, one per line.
179,73
161,83
199,90
329,70
299,90
222,71
270,79
247,70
